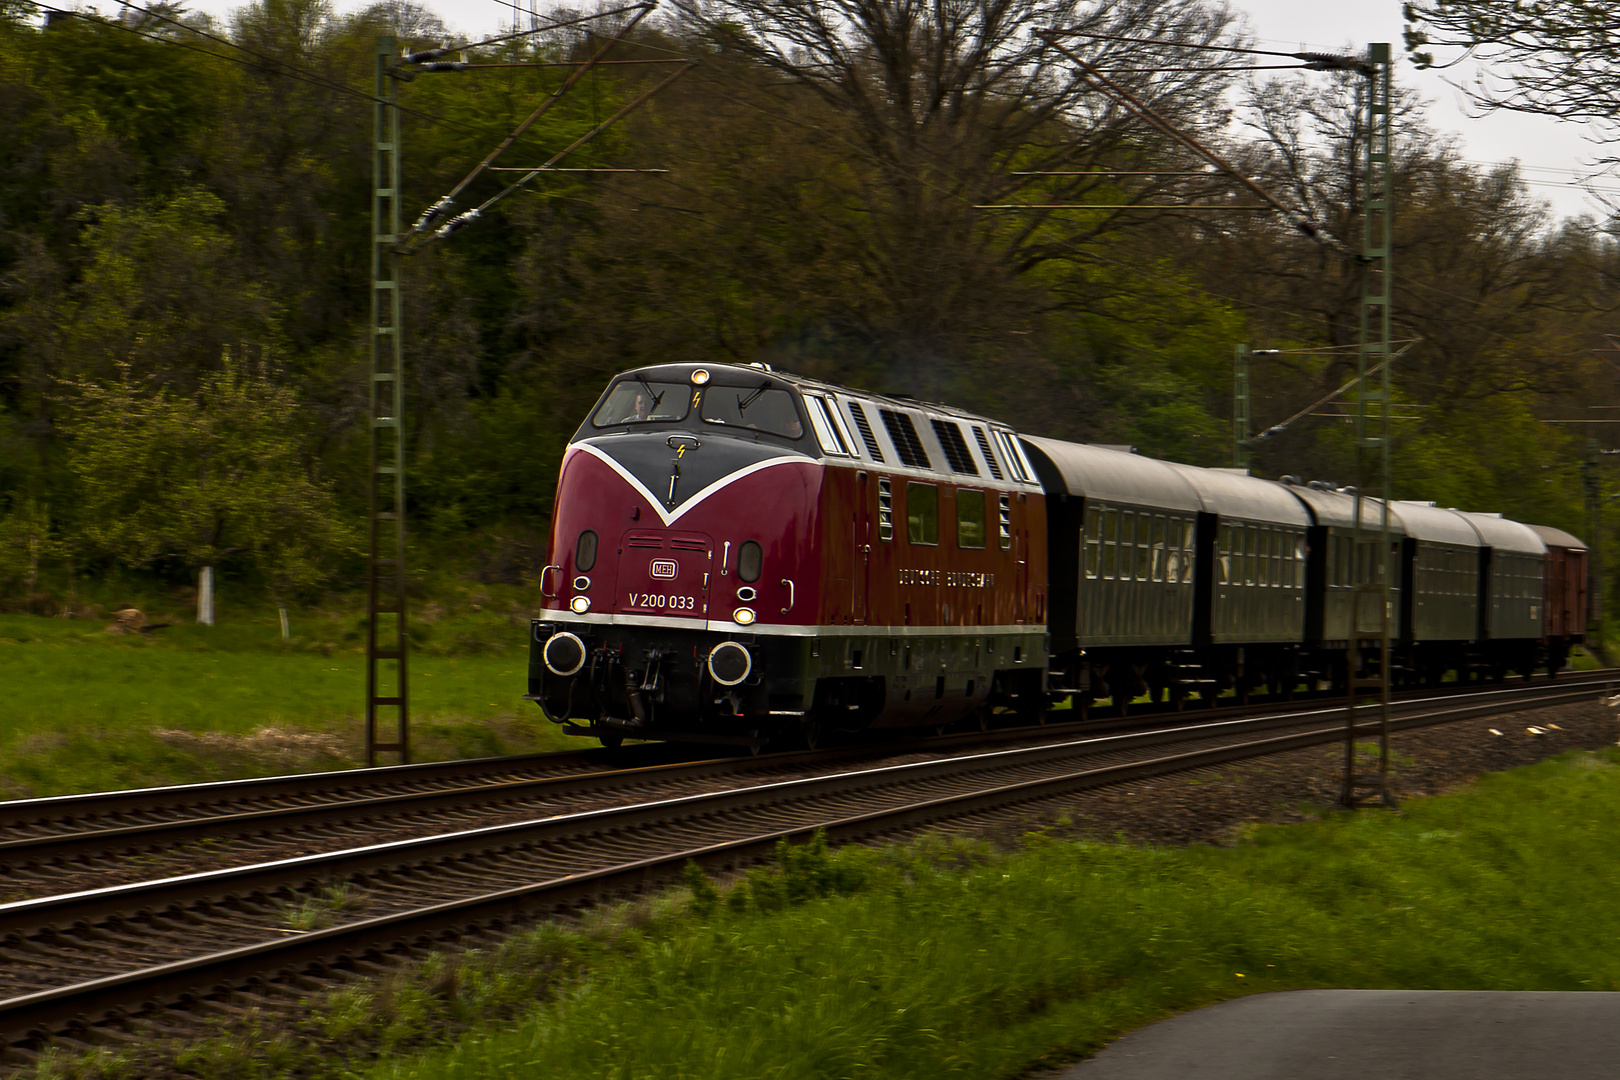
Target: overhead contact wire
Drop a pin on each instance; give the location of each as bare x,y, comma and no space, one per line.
631,106
1295,217
443,206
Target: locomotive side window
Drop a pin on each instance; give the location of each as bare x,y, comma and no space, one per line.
750,560
1110,543
585,552
969,518
1093,555
821,423
842,428
757,408
638,401
922,514
885,509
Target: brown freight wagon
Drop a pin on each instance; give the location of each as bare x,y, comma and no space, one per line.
1565,621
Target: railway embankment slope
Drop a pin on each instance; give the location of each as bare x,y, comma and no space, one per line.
1014,954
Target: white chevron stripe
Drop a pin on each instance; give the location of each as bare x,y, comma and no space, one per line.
657,503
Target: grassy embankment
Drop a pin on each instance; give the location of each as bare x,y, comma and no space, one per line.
84,710
951,959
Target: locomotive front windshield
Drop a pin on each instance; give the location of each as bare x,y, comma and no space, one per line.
758,408
640,401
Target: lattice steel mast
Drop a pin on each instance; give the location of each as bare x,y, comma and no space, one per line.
385,549
1371,613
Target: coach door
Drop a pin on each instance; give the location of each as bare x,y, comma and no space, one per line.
861,528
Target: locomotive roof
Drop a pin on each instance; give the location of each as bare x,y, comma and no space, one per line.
1557,537
1338,509
682,372
1425,521
1236,495
1078,469
1503,534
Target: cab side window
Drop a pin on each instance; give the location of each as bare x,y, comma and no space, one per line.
969,518
922,514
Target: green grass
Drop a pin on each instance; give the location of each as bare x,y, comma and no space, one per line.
946,958
87,711
923,963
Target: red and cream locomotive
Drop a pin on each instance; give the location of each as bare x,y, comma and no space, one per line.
740,555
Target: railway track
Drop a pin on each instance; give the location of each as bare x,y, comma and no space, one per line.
99,960
47,844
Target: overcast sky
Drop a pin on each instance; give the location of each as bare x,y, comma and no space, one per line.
1552,154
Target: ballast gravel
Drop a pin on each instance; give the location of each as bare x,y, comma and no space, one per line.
1214,805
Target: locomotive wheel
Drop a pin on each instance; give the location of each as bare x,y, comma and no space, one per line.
611,742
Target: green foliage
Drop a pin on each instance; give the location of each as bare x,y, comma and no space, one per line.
199,479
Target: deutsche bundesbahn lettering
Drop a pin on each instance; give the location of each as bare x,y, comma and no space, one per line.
956,578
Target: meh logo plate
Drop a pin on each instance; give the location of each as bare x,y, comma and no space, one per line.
664,568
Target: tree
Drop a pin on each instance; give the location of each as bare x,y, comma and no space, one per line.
202,478
1554,57
931,112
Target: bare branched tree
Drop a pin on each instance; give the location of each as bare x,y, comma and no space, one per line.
951,107
1555,58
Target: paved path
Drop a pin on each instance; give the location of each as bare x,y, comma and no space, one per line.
1375,1035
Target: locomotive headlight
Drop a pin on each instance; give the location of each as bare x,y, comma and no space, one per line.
743,616
580,604
699,377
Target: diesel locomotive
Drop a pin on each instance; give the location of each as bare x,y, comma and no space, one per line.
740,555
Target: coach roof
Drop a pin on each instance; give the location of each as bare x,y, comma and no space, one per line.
1557,537
1237,495
1504,535
1109,475
1425,521
1338,510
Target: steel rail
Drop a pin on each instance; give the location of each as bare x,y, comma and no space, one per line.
69,827
72,847
41,1014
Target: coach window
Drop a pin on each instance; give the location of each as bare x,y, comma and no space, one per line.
1157,571
922,514
969,518
1187,532
1223,555
1172,552
1094,517
1144,554
1110,544
1299,562
1127,543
